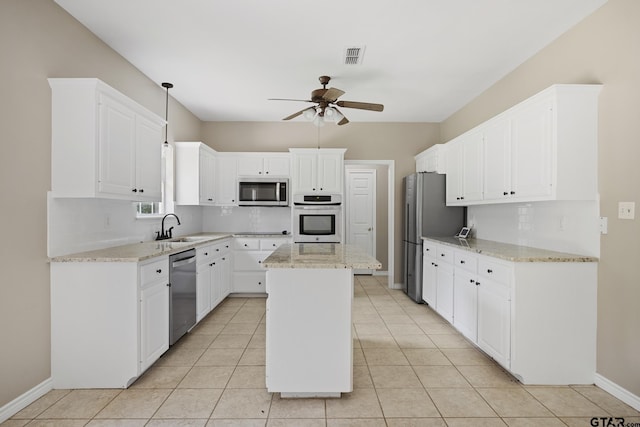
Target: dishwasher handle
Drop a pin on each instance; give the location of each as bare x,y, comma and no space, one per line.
183,261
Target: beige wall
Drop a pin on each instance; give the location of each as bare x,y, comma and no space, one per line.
604,48
39,40
363,141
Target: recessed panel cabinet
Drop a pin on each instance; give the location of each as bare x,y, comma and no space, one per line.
104,145
317,171
109,321
195,174
544,148
536,319
264,164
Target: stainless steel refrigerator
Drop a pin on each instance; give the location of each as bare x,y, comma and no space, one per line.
425,214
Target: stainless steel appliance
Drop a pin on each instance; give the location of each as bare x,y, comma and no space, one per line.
263,192
425,214
317,218
182,294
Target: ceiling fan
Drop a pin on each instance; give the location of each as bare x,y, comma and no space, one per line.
327,100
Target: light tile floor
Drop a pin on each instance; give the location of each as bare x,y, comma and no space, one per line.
411,369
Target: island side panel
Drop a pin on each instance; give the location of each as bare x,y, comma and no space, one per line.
309,349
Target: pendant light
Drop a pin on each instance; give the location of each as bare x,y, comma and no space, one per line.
166,111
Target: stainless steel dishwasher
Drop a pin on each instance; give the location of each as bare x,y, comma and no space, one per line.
182,294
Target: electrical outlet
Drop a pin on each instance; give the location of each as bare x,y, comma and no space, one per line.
604,225
626,210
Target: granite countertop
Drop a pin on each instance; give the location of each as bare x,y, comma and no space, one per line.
510,252
136,252
321,255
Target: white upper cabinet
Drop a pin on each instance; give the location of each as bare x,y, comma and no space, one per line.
264,164
227,165
464,169
195,174
544,148
103,144
433,159
317,171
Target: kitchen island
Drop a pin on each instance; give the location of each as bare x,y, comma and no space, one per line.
309,347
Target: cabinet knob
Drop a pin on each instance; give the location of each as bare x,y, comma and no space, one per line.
513,192
259,283
259,173
212,264
226,246
267,172
477,283
274,245
457,198
206,253
462,198
211,200
223,259
313,189
135,190
321,188
435,265
217,249
461,261
471,280
159,271
259,262
505,194
245,245
441,254
426,249
142,190
489,271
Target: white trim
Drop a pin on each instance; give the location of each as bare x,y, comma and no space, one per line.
25,399
617,391
390,211
374,195
380,273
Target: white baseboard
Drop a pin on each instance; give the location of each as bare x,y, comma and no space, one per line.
619,392
380,273
25,399
397,286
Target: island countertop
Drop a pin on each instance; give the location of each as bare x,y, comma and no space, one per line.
321,255
508,252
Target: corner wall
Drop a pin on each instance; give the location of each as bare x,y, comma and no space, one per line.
38,40
603,48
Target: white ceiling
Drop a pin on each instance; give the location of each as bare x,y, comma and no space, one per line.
424,59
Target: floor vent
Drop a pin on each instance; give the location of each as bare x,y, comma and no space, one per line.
353,55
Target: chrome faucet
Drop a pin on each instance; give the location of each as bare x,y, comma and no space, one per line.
163,235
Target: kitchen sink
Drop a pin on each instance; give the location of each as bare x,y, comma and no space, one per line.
187,239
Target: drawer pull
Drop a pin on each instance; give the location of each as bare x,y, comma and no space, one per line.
159,271
472,281
477,283
489,271
461,261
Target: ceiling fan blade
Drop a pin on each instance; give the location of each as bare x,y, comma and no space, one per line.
344,121
332,94
360,105
294,115
287,99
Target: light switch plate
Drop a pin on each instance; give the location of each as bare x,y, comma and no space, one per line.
626,210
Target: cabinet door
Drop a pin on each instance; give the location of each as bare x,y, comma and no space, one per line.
250,166
203,290
148,160
225,276
207,178
216,282
277,166
244,282
497,160
330,172
154,323
465,304
117,130
494,320
532,141
444,291
226,178
429,277
472,168
454,173
304,172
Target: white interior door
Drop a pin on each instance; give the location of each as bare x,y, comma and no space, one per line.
361,211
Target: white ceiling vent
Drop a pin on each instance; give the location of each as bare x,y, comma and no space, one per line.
353,55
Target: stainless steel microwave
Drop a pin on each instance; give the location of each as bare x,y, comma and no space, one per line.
263,192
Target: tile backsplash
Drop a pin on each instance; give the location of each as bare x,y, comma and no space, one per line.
565,226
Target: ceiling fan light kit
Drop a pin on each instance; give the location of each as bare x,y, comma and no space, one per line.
327,100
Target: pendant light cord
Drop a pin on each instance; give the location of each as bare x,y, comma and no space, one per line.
166,112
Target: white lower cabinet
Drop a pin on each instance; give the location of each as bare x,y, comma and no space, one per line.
109,321
536,319
249,276
212,276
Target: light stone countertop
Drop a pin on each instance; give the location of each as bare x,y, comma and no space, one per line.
136,252
508,252
321,255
